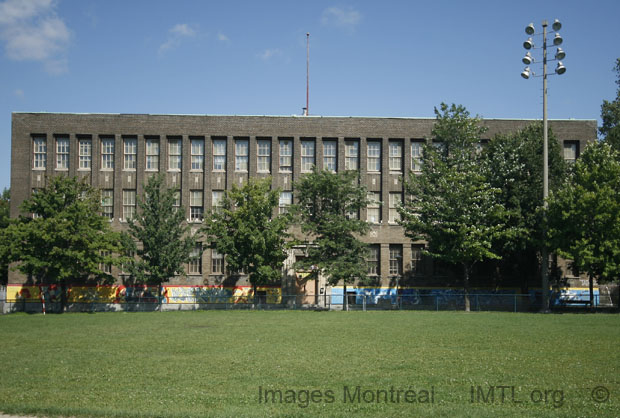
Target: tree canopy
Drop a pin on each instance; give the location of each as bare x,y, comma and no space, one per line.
164,240
610,115
246,231
61,236
328,207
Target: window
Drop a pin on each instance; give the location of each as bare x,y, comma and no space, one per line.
286,155
174,154
396,155
195,205
195,263
129,204
217,262
217,197
152,154
107,203
263,158
130,152
219,154
374,156
570,151
177,200
374,255
416,155
396,200
351,155
124,267
105,267
417,260
286,200
396,260
40,152
62,153
374,208
307,155
241,155
85,151
329,156
107,153
198,154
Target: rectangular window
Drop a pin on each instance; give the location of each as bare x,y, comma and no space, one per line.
129,204
85,150
374,208
219,154
174,154
241,155
105,268
570,151
217,198
107,153
351,155
107,203
40,152
195,263
374,156
396,155
396,200
417,260
263,157
217,262
152,154
62,153
198,154
416,155
374,257
286,200
130,152
176,205
330,154
286,155
396,260
307,156
196,207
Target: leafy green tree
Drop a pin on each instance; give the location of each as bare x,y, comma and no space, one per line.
584,215
450,204
514,165
62,237
327,206
5,200
164,240
610,115
246,231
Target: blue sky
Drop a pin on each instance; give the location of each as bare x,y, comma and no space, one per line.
367,58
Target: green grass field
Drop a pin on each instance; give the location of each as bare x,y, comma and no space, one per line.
233,363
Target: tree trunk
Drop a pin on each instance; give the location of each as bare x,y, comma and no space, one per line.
346,298
466,287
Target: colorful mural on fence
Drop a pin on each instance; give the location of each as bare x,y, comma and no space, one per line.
142,294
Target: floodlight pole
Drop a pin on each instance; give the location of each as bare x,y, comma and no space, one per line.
544,253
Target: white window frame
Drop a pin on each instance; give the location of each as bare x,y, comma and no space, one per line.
263,156
175,154
62,153
307,155
40,153
217,198
286,156
107,203
330,155
152,154
396,155
196,205
129,204
219,155
85,150
351,154
416,155
198,154
396,200
242,152
396,260
195,264
374,260
130,154
286,200
373,211
217,262
107,153
373,156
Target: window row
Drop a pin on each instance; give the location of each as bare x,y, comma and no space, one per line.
395,265
219,148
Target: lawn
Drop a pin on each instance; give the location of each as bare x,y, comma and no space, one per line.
298,363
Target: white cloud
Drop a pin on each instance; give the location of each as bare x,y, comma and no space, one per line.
221,37
31,31
176,34
345,18
269,53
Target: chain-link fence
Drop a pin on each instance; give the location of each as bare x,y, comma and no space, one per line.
350,302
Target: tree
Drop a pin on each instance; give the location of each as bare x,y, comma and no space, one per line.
584,215
62,237
327,206
450,204
514,165
5,200
165,240
610,115
246,232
